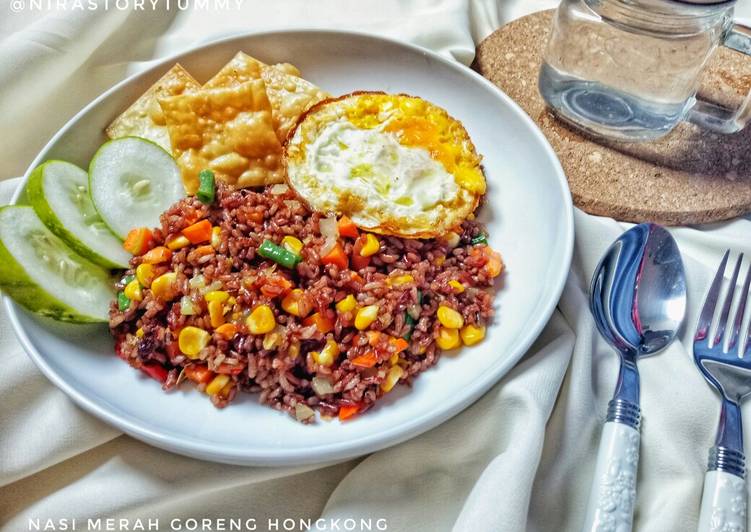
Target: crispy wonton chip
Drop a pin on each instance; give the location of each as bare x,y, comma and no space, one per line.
290,95
228,130
144,118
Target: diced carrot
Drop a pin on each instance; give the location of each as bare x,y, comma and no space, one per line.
357,277
229,369
400,344
227,330
368,360
347,227
207,249
199,373
275,285
198,232
138,241
373,337
358,261
322,323
336,256
347,411
157,255
256,216
494,266
155,371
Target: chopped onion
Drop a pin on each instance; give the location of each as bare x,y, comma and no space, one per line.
414,311
329,227
303,412
322,386
292,205
328,245
279,189
216,285
187,307
197,282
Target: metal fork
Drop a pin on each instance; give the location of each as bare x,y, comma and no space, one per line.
723,504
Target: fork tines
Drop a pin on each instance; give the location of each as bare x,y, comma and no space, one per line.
710,306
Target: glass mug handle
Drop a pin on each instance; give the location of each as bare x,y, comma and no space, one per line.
716,118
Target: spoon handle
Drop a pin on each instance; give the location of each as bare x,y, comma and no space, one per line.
613,492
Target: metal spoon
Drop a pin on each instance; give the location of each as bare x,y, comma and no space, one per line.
638,299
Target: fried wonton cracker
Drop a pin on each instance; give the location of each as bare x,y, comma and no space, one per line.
290,95
144,118
226,129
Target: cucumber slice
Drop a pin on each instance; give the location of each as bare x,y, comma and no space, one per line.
41,273
59,193
132,181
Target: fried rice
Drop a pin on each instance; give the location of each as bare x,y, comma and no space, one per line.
407,280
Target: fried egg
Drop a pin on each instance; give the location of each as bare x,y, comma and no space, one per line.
394,164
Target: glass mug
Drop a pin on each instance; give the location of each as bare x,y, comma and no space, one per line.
629,69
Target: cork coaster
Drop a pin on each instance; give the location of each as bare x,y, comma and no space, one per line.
690,176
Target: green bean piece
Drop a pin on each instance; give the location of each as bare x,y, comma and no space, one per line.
480,239
123,303
207,187
278,254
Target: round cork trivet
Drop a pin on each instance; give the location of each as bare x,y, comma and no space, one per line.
689,176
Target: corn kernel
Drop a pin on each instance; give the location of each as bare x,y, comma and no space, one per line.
140,332
394,359
145,274
450,318
261,320
371,247
294,350
178,242
448,338
216,236
216,385
392,377
399,280
224,392
216,295
457,286
365,316
440,260
133,290
165,286
227,330
347,304
216,313
272,340
290,302
192,340
452,239
472,334
327,355
290,243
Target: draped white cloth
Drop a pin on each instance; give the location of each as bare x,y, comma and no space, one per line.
520,458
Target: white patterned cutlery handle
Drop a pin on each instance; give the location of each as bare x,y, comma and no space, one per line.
723,502
613,494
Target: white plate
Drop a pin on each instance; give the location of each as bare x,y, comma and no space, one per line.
529,217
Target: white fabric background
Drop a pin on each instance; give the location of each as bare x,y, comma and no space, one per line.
518,459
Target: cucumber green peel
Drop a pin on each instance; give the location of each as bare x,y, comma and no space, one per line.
41,273
59,193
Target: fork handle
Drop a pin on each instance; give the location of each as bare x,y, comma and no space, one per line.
723,503
613,492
